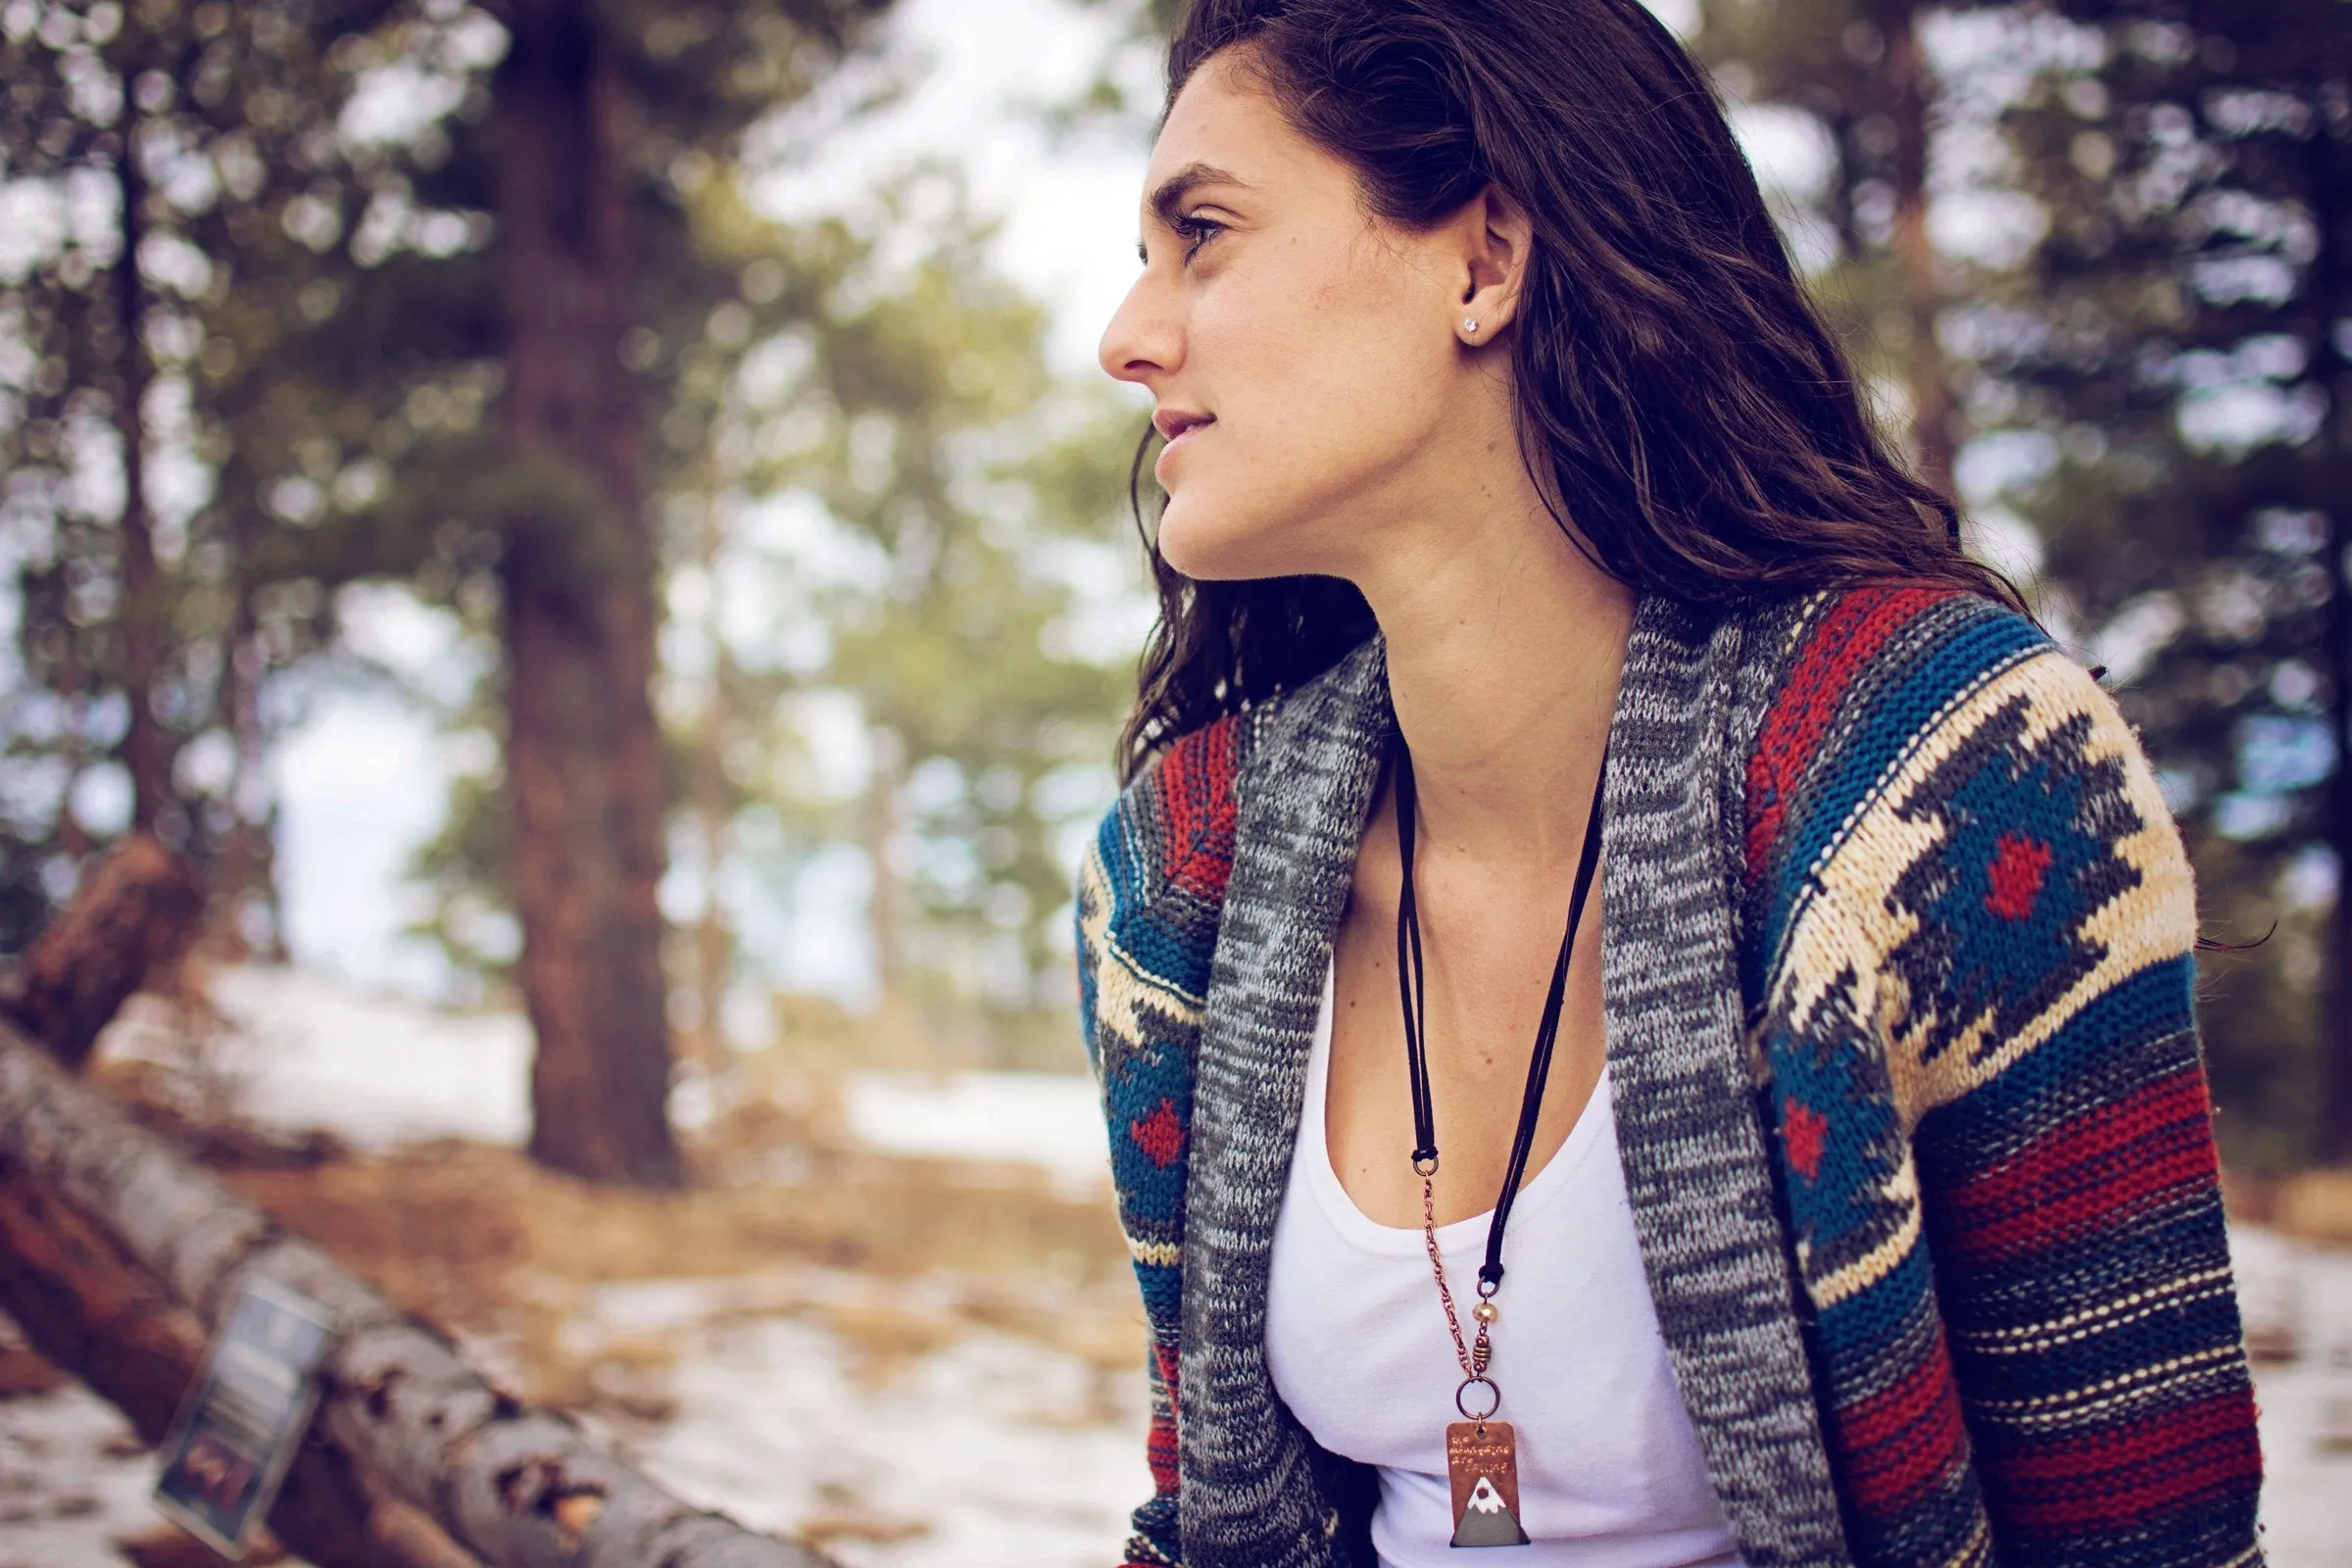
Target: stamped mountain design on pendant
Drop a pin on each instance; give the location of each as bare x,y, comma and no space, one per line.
1487,1520
1481,1463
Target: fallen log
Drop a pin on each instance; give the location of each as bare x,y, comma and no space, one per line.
84,1307
516,1486
136,914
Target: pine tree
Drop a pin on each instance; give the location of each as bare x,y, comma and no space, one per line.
1861,70
138,633
898,407
404,350
2158,370
2183,335
599,118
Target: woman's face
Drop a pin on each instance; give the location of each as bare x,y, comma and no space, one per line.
1306,359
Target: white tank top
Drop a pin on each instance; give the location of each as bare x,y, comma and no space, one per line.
1609,1469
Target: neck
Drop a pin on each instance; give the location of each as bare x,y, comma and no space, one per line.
1504,645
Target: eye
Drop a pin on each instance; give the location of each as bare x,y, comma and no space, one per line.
1197,231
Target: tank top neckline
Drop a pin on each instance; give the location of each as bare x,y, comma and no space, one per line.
1359,1229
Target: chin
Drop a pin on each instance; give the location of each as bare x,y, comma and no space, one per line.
1209,541
1194,539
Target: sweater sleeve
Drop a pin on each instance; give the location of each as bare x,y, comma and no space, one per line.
2022,1281
1150,891
2063,1133
1155,1542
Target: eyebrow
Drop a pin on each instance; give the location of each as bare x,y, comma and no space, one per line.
1169,197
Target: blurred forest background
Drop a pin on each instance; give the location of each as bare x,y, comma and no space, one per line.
765,544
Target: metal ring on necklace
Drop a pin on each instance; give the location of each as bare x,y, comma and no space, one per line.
1461,1392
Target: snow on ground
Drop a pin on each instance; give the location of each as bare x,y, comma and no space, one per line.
379,1071
73,1478
375,1070
1053,1120
2306,1404
871,1416
990,1450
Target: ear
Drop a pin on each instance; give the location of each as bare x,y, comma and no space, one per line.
1495,236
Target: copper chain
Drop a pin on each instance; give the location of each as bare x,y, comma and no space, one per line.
1477,1354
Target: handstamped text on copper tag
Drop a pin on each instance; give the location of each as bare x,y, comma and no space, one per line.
1482,1457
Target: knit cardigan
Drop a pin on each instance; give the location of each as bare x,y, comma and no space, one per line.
1898,960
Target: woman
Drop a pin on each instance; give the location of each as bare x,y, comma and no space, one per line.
1828,1181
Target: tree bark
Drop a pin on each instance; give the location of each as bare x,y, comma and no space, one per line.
244,880
82,1304
72,684
93,1313
139,609
2335,1019
585,753
516,1486
712,946
1909,93
886,921
134,914
2330,194
411,1450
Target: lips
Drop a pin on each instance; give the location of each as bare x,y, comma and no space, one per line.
1174,424
1178,427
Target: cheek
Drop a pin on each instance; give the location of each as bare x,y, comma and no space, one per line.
1321,383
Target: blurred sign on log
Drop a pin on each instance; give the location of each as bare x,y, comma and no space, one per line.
245,1416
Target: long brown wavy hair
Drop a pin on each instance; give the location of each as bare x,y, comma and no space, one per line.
1677,390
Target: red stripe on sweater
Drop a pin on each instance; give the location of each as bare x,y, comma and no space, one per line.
1849,637
2099,1167
1159,1452
1196,783
1160,1444
1905,1441
2127,1476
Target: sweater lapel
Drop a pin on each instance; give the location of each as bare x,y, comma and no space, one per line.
1249,1497
1697,1170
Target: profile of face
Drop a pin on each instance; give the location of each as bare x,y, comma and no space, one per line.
1310,363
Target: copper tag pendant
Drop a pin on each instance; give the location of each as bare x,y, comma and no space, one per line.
1482,1457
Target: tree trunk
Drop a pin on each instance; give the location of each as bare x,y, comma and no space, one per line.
712,946
2330,194
134,914
244,880
72,685
2335,1019
242,883
79,1301
886,921
585,753
1909,92
411,1450
139,609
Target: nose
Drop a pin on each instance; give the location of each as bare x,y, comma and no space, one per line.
1144,341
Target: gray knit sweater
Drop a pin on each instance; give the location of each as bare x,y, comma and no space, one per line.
1207,911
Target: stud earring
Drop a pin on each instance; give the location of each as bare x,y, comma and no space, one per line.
1469,325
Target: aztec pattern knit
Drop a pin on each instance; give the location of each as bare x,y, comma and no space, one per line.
1897,966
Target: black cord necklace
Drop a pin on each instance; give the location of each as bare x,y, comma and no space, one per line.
1481,1453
